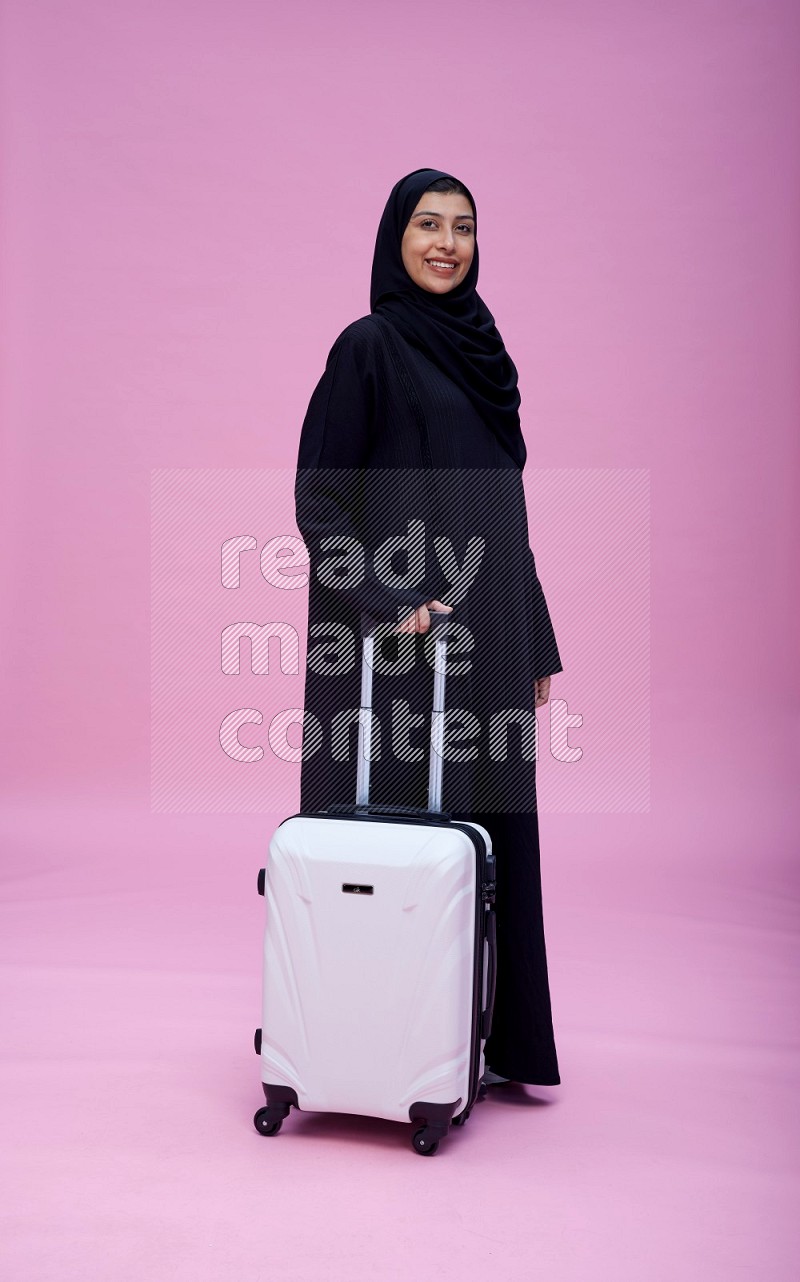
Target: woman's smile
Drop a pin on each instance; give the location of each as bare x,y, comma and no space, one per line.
442,265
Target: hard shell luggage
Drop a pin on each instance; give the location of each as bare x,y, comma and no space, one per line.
379,951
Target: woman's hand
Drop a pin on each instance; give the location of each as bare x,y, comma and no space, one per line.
420,620
542,689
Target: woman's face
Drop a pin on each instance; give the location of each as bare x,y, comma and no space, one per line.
441,230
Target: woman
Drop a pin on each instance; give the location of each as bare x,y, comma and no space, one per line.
409,498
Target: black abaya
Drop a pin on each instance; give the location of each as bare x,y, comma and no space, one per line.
361,477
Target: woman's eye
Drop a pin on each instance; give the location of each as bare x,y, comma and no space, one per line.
429,222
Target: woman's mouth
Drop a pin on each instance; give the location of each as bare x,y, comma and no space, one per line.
442,266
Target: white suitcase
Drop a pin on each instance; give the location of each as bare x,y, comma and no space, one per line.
379,953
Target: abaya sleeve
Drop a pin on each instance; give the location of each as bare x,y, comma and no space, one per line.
332,474
548,660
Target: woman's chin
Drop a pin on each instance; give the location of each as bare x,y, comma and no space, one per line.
438,285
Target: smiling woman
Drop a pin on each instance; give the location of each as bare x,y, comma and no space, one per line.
438,245
416,420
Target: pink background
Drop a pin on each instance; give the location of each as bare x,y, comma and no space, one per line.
191,194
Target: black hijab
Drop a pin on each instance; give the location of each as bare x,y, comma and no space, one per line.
456,330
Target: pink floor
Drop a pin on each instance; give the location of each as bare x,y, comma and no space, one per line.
129,1080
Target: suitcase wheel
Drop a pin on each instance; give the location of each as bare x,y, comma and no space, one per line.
424,1141
266,1123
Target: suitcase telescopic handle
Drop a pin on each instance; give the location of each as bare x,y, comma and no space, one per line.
439,629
